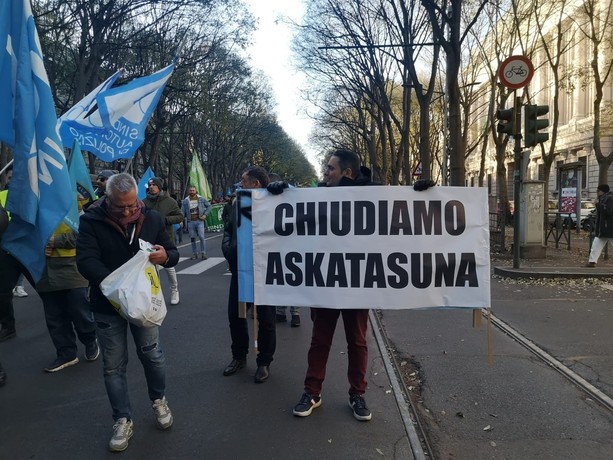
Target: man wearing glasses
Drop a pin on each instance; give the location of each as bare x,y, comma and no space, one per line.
108,237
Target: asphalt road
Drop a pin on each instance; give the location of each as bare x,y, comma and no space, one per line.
517,408
66,415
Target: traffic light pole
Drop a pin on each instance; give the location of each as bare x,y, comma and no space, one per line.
517,178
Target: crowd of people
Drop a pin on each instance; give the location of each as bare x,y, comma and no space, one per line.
109,233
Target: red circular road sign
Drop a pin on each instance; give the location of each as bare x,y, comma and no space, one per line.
516,72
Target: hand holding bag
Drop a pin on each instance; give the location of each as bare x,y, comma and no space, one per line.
134,290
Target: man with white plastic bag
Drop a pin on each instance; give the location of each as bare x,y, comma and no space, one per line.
108,238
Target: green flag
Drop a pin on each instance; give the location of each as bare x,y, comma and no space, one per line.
197,178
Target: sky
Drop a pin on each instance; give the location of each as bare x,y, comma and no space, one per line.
271,54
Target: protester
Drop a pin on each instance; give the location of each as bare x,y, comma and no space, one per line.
604,223
103,176
195,210
108,237
11,270
343,169
253,177
18,290
171,214
64,294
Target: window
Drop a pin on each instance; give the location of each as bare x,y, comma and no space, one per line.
583,161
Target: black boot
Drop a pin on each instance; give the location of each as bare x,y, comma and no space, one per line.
262,374
235,365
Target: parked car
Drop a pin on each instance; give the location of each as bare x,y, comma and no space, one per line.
586,207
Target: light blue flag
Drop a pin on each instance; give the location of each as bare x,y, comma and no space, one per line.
142,184
244,238
83,116
79,174
117,128
40,191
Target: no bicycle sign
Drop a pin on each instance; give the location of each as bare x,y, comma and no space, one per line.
516,72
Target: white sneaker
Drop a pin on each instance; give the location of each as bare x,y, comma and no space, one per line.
162,413
174,297
19,291
123,429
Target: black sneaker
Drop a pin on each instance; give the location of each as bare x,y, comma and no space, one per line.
306,405
61,363
295,321
360,410
92,351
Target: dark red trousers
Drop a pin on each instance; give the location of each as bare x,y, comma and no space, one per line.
324,324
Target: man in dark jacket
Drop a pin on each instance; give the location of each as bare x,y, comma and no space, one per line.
253,177
604,223
171,214
108,237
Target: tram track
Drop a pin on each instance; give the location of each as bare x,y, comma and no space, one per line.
554,363
415,430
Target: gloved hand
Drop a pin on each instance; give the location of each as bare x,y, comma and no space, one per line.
276,188
423,184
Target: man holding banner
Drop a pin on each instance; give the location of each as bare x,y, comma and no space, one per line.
342,169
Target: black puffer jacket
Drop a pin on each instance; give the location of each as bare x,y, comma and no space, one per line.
102,247
604,216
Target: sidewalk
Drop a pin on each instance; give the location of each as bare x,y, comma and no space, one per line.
558,263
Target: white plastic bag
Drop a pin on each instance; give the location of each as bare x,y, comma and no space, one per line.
134,290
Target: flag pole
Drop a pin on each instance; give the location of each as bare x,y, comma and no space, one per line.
6,166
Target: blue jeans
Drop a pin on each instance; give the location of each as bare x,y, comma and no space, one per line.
196,230
64,310
112,335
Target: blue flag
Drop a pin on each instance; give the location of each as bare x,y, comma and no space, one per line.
83,116
142,184
244,238
40,191
82,187
117,128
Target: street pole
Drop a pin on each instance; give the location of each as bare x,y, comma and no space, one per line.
517,178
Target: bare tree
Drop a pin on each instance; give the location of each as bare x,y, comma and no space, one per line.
594,22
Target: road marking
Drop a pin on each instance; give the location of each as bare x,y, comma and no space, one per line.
201,267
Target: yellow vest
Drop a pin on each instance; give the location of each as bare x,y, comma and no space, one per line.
3,196
61,252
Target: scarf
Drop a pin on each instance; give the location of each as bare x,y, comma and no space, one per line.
124,221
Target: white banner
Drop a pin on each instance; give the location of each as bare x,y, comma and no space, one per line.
372,247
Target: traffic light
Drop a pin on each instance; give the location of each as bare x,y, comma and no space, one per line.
507,121
532,125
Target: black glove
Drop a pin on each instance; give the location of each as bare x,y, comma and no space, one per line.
423,184
276,188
